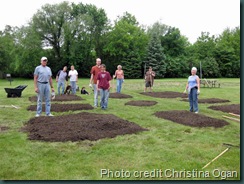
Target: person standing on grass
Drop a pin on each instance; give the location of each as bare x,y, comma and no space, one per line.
149,79
61,78
119,75
93,80
73,74
42,81
103,85
193,87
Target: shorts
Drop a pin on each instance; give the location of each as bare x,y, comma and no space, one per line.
148,84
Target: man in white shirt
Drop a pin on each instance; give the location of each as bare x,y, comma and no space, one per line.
73,74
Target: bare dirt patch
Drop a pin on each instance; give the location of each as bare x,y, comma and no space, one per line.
233,108
191,119
60,98
119,95
3,128
141,103
165,94
63,107
78,127
209,100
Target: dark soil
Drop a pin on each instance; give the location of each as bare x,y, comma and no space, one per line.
60,98
141,103
3,128
166,94
63,107
191,119
233,108
78,127
119,95
209,100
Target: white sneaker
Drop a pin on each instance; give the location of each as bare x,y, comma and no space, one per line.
50,114
37,115
196,112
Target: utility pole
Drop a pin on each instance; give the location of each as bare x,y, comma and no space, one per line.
200,70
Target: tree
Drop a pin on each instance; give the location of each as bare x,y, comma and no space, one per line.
126,45
48,23
28,51
7,50
155,56
204,46
174,43
210,67
227,52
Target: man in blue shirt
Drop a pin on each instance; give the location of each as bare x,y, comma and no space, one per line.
42,80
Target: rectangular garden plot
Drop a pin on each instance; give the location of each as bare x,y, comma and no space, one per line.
78,127
232,108
165,94
60,98
63,107
191,119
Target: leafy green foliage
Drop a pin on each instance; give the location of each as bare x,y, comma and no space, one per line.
126,45
76,34
155,56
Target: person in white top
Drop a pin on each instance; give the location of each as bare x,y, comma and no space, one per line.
73,74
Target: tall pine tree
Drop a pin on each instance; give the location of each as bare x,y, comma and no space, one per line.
155,56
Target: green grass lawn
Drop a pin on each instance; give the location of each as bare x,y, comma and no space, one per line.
166,147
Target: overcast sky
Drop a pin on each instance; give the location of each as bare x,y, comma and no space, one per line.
191,16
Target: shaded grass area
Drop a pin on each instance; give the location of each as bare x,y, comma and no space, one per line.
166,145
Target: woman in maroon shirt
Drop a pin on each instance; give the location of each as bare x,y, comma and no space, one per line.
103,85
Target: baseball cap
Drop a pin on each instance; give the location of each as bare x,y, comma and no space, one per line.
43,58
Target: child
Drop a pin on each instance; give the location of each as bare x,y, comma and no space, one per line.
83,91
103,85
68,89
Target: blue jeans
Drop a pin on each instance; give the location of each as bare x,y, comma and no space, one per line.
95,95
73,87
61,84
193,99
44,92
104,98
119,85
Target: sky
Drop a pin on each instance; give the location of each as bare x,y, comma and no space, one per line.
191,16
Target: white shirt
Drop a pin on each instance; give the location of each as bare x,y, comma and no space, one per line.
73,75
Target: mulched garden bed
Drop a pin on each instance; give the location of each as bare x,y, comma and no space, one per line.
209,100
165,94
3,128
60,98
191,119
78,127
119,95
233,108
63,107
141,103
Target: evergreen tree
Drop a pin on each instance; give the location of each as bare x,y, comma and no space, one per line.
155,56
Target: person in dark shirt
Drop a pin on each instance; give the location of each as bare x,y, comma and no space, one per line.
103,85
83,91
61,79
